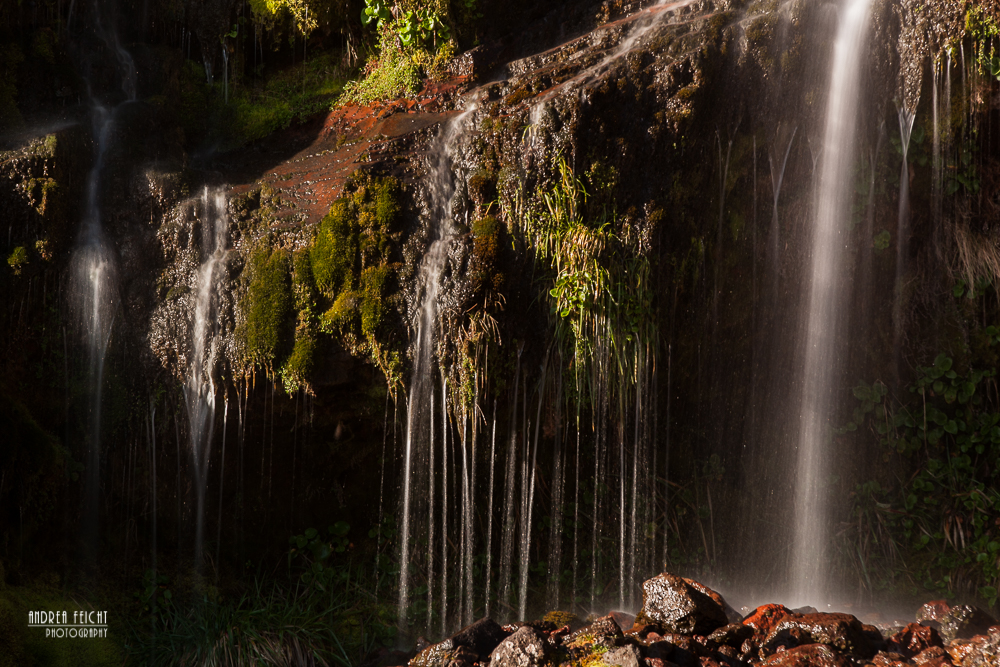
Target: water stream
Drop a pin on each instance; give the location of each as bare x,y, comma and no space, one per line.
823,305
420,441
200,384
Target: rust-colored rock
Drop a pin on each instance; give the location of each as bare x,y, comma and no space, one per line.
624,620
764,619
933,611
840,631
980,651
884,659
811,655
680,607
935,656
964,622
913,639
732,635
605,632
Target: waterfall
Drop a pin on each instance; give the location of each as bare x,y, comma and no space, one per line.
199,387
832,210
419,418
94,270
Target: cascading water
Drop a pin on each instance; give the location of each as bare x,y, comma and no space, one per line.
94,270
832,211
420,414
200,387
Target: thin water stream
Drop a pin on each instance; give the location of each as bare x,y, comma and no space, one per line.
420,441
810,548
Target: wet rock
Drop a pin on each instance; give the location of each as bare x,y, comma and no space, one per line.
625,656
680,607
524,648
841,631
764,619
470,644
913,639
678,649
623,619
935,610
734,635
811,655
965,621
883,659
980,651
935,656
603,632
561,618
482,636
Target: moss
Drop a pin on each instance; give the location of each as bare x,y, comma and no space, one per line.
374,282
561,618
18,259
485,255
352,262
298,369
517,97
266,307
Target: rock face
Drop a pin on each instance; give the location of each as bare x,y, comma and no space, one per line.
674,603
524,648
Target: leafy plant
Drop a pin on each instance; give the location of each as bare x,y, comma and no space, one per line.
375,10
946,513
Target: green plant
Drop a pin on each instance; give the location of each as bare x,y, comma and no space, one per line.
18,259
946,512
375,10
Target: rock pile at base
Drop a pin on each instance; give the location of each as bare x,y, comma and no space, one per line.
686,624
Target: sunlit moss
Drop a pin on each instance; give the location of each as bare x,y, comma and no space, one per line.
266,307
352,262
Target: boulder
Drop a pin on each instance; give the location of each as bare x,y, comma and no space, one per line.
840,631
933,611
524,648
734,635
623,619
964,622
980,651
680,607
625,656
764,619
482,636
913,640
935,656
470,644
602,632
889,659
810,655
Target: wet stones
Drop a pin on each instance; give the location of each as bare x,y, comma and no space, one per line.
469,645
625,656
964,622
524,648
482,636
840,631
913,640
811,655
678,606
